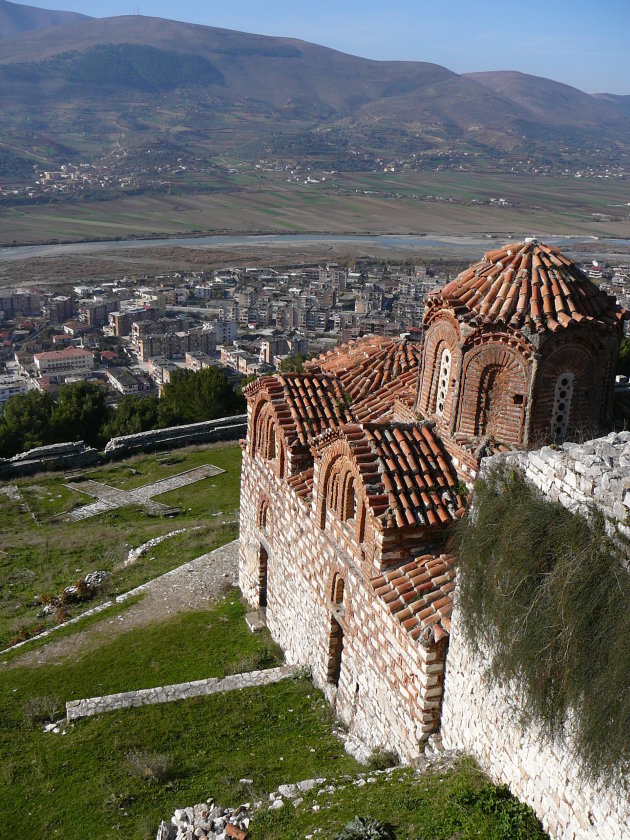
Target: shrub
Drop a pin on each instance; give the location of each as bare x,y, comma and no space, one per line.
382,759
365,828
44,709
548,595
152,767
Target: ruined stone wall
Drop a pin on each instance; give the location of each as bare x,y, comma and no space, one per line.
582,477
226,428
58,456
389,687
486,721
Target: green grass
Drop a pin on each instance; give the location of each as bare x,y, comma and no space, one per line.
40,552
81,624
195,645
80,785
458,804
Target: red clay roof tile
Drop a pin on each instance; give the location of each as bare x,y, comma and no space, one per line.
527,285
419,594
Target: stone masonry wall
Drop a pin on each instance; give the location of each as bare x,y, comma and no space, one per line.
485,720
595,474
209,431
389,687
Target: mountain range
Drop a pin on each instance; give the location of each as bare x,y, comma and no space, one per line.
74,88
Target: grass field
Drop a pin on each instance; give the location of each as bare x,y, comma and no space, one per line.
40,552
353,203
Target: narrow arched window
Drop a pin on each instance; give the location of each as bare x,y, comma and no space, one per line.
561,406
443,380
348,506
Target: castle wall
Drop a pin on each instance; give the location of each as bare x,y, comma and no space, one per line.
389,687
486,721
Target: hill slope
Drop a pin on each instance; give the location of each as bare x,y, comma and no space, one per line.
117,87
15,18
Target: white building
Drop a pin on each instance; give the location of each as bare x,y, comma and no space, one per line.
72,359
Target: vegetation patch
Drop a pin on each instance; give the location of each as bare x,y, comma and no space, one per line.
41,552
440,804
548,594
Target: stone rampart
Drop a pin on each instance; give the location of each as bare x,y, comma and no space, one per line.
58,456
168,693
209,431
583,477
487,720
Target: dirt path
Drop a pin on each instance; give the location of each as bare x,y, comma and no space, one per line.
189,587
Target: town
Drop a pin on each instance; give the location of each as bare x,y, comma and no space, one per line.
130,335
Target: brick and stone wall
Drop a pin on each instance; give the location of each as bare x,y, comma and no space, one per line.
486,720
389,687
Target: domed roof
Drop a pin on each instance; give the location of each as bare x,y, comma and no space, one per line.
527,285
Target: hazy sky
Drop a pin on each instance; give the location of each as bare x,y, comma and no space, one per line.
579,42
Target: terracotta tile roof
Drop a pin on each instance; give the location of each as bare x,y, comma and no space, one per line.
367,364
417,474
420,595
302,484
527,285
305,404
406,471
379,405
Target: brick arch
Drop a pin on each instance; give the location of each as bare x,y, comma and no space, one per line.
495,381
340,488
443,334
267,436
337,589
581,361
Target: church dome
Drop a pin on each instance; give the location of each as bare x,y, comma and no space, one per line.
529,286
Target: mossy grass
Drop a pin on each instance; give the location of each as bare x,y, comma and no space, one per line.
438,805
548,594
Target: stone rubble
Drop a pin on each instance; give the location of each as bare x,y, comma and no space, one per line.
210,821
135,553
92,580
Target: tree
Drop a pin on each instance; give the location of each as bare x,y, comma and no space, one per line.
25,423
293,363
192,397
133,414
80,414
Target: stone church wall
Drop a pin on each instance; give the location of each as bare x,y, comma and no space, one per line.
485,721
389,687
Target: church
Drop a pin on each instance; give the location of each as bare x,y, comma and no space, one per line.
354,470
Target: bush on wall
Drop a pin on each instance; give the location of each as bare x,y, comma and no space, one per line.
548,594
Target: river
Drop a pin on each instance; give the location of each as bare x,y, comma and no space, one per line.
464,244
